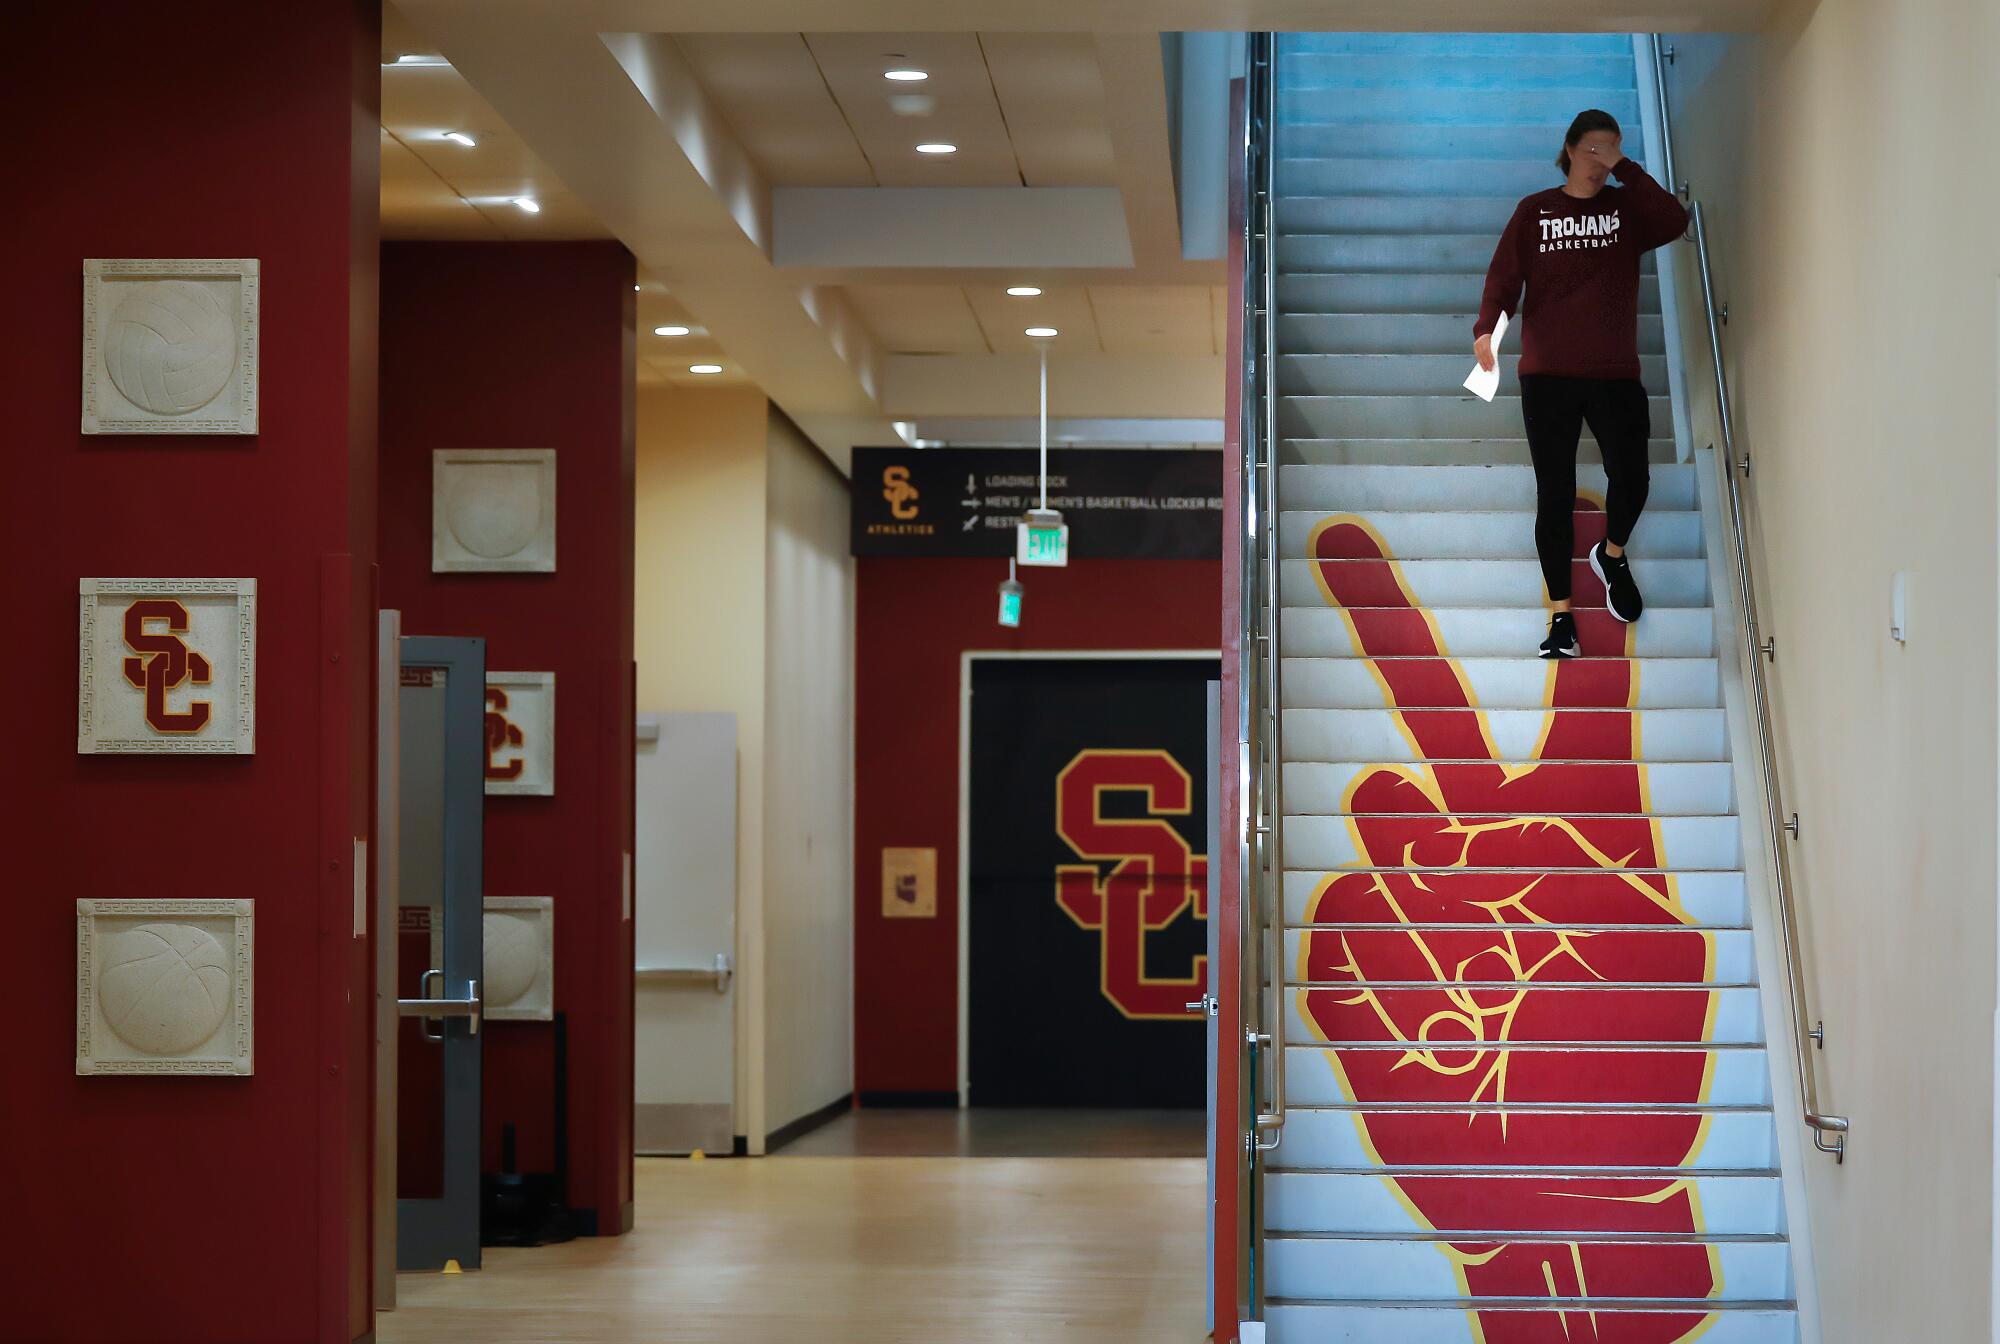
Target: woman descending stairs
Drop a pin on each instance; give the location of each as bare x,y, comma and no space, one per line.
1528,1098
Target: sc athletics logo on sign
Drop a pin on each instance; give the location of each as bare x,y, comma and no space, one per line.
167,665
1154,874
903,500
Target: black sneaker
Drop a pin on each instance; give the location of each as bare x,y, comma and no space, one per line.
1561,642
1621,594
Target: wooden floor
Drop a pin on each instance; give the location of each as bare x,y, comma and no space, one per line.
827,1250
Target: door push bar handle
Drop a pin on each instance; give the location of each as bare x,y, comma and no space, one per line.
718,974
433,1009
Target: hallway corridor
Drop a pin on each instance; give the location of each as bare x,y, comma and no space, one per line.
830,1249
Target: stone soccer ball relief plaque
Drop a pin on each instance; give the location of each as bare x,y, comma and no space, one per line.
170,346
493,510
167,666
163,986
521,732
519,936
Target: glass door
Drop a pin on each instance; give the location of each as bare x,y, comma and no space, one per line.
441,712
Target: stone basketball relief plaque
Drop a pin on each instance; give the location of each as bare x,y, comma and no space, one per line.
163,987
520,945
493,510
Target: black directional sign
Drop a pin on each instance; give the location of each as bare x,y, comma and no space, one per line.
1131,503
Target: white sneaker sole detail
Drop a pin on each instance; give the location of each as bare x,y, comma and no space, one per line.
1598,570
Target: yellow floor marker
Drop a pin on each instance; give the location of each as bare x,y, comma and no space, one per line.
697,1156
451,1267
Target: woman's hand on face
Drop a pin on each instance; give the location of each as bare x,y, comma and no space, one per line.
1604,147
1482,350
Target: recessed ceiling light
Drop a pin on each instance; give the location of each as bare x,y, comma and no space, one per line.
1023,291
460,138
907,76
670,331
704,368
1040,331
529,203
937,149
635,289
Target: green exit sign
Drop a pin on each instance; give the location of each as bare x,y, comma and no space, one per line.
1010,604
1042,539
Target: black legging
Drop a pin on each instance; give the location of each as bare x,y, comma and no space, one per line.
1555,409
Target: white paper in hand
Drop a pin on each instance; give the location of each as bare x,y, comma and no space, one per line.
1483,383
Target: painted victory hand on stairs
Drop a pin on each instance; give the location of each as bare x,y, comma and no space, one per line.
1469,969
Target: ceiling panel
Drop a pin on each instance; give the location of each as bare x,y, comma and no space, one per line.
417,203
1154,319
1052,95
770,90
1005,319
918,319
420,104
965,111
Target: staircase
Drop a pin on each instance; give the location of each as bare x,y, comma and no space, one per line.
1528,1097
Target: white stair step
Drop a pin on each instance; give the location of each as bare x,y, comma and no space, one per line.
1397,375
1378,735
1706,899
1755,1269
1594,1013
1671,788
1357,214
1464,416
1629,953
1684,1139
1473,632
1288,1322
1414,177
1404,140
1432,452
1328,843
1367,1201
1553,107
1611,73
1544,1075
1342,489
1409,334
1533,46
1505,683
1481,583
1344,293
1662,534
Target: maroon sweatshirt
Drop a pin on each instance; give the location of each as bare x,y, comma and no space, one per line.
1580,262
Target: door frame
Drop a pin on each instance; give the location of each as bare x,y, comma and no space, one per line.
433,1221
965,662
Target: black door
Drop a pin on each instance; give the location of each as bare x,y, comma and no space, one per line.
1087,881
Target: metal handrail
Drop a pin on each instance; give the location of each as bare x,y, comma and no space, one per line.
1736,465
1263,651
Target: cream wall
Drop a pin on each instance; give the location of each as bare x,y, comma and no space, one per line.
744,604
698,634
809,781
1847,159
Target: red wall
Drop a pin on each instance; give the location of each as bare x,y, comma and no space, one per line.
529,345
913,620
197,1209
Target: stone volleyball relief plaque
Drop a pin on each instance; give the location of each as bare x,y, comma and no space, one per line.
167,665
163,986
521,732
520,947
170,346
493,510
